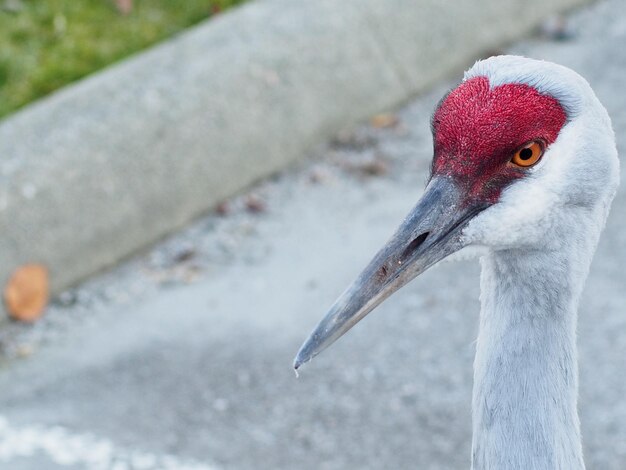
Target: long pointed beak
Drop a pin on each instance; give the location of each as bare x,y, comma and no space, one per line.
430,232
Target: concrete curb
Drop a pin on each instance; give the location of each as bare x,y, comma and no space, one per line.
116,161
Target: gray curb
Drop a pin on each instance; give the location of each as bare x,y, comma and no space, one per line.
116,161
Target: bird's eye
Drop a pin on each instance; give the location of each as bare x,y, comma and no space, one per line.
528,155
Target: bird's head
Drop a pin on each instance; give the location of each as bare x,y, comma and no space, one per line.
523,154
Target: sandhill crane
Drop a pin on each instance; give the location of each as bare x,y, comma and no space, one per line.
525,167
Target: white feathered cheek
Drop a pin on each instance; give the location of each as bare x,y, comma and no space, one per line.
520,219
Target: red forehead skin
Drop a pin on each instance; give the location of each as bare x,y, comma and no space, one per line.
477,129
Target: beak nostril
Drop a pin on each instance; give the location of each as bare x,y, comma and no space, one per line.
382,273
414,245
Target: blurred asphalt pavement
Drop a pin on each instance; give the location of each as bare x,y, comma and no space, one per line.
181,358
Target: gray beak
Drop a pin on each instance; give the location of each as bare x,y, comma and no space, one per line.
430,232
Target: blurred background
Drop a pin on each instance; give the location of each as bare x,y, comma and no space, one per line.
185,187
48,44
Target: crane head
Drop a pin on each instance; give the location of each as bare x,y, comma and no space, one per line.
523,154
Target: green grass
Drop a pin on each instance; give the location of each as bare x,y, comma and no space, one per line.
46,44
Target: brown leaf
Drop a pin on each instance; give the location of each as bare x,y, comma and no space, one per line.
26,294
385,120
374,168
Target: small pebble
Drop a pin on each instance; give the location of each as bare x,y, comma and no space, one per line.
184,254
255,204
223,208
556,28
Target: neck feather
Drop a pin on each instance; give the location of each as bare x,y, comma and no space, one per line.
526,375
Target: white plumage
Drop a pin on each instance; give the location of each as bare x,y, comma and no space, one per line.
541,238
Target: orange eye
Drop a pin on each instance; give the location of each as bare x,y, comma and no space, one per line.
528,155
